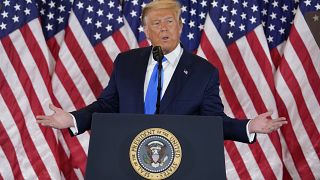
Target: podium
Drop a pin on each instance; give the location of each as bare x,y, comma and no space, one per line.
115,138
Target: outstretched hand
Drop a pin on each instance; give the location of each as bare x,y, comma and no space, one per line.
59,119
264,124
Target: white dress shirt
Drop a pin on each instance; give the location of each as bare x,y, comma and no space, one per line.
168,66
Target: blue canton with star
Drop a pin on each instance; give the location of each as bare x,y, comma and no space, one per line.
234,19
132,11
193,14
16,13
277,18
99,19
54,16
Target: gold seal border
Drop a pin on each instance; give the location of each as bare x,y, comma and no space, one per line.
155,132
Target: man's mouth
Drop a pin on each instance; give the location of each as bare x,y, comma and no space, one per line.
165,38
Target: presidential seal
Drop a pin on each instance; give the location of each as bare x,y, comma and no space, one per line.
155,153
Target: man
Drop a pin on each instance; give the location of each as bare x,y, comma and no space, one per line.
190,83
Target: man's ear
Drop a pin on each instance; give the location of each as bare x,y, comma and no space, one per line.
146,32
181,26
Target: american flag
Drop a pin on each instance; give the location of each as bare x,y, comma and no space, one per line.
62,52
298,98
247,41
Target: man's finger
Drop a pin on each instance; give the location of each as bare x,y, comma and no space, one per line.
266,114
48,123
41,117
280,120
44,122
278,125
281,123
53,107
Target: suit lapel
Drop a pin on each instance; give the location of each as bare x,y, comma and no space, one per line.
141,74
179,77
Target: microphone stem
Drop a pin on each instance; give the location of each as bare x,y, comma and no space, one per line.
159,86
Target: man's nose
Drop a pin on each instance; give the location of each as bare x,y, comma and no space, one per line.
163,26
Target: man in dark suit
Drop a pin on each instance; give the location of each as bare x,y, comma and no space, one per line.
190,84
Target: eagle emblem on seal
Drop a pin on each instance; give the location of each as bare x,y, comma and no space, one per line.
156,154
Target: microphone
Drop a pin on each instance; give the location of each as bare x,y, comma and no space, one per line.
157,53
158,56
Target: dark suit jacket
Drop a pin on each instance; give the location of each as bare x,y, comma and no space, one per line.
193,90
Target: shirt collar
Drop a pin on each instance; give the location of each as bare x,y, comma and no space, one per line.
172,57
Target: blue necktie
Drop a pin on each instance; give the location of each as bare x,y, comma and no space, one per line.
151,95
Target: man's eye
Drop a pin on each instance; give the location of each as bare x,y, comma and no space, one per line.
156,23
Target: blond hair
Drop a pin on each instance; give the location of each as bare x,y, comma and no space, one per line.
161,4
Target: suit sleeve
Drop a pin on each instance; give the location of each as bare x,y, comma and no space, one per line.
107,102
233,129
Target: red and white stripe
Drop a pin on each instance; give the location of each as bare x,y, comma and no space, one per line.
22,87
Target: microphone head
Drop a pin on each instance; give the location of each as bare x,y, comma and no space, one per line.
157,53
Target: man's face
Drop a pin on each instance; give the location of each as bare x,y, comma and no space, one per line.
163,29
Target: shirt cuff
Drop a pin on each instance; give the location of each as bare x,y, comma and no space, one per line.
74,129
250,135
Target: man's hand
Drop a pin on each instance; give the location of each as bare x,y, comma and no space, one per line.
264,124
59,119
